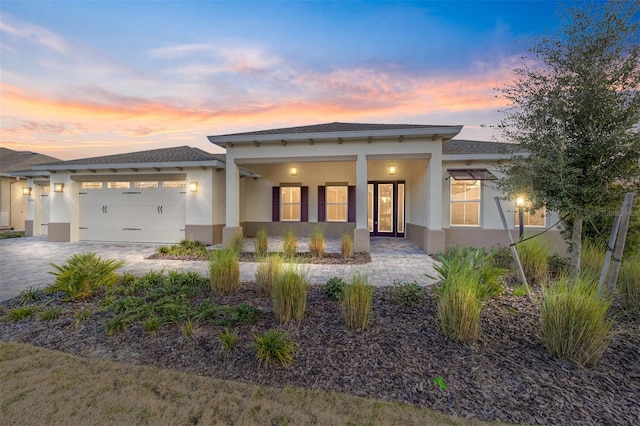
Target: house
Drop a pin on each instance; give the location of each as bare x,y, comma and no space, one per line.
14,192
394,180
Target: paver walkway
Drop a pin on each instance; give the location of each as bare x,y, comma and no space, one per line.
25,262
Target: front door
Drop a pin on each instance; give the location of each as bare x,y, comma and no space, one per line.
386,209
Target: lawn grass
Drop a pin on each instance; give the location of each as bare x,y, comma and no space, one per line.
71,390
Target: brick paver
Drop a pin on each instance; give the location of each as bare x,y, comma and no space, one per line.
25,262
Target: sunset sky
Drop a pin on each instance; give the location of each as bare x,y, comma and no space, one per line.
89,78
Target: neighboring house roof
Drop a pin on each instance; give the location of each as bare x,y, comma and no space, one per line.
455,146
11,161
336,130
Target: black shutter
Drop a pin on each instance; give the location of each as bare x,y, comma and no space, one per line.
275,204
304,204
351,206
322,204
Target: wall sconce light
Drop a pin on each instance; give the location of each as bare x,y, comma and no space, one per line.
293,170
392,169
58,187
26,190
520,203
193,186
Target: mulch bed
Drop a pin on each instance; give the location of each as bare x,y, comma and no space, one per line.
305,257
507,376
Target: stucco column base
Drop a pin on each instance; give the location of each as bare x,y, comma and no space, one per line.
28,228
434,241
361,240
228,232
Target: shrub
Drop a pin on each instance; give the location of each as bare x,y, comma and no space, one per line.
316,242
346,245
533,256
269,269
261,242
459,307
237,243
83,274
408,294
628,287
228,340
574,322
290,243
591,259
289,295
334,288
21,313
224,271
356,302
274,345
458,259
185,248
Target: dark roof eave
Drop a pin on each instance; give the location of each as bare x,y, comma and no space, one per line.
441,131
150,165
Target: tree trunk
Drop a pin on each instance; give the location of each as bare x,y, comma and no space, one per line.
576,246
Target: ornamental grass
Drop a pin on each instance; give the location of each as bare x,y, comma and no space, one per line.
574,323
316,242
224,271
261,242
289,294
533,256
346,245
268,271
290,244
459,307
357,297
628,288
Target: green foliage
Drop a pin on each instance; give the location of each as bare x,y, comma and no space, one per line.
520,290
334,288
458,259
268,271
126,279
21,313
274,345
83,274
459,307
237,243
51,314
228,340
290,244
574,107
574,322
118,323
356,302
185,248
533,256
558,266
592,259
12,234
152,324
503,258
408,294
188,328
30,295
346,245
261,242
81,316
628,286
224,271
316,242
289,295
439,381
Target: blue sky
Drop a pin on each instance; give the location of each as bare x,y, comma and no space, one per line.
87,78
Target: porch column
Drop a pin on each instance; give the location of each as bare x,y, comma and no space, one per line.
361,242
31,210
434,239
232,201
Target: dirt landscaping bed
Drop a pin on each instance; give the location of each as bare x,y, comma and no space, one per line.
304,257
507,376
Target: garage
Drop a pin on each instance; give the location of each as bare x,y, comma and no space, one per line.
133,210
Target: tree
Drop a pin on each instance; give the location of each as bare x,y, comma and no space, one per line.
574,105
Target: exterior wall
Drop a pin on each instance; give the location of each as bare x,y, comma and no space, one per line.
5,202
13,203
64,214
205,210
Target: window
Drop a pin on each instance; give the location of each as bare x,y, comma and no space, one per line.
537,219
175,184
46,189
91,185
145,185
465,202
337,197
119,185
290,203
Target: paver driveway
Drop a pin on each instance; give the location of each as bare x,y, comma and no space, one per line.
25,262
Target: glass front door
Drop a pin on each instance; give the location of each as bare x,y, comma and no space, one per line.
386,209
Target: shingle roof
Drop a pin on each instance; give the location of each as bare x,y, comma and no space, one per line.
12,161
455,146
334,127
164,155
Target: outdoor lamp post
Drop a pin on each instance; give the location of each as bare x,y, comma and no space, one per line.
520,205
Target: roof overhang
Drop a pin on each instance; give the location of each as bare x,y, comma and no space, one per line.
471,174
444,132
32,174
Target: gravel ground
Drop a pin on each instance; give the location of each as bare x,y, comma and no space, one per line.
507,376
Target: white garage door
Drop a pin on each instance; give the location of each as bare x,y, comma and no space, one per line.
138,211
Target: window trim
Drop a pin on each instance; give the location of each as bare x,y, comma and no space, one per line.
478,201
